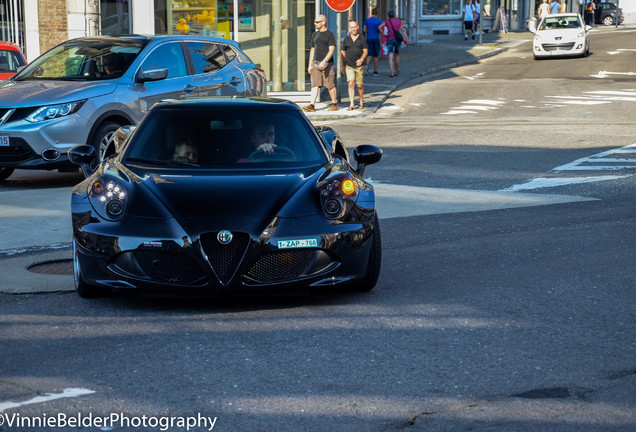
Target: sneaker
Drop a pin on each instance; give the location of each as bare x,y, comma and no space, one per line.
473,36
375,72
333,107
309,108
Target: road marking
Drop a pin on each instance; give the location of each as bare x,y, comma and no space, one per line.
621,50
610,163
393,201
548,182
67,393
474,105
605,74
619,159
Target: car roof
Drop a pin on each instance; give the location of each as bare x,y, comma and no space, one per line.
228,102
9,46
151,38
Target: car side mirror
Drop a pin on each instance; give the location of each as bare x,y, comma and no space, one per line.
366,154
85,156
152,74
588,27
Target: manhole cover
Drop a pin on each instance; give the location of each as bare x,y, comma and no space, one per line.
56,267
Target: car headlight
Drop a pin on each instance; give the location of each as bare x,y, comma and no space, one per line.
108,198
54,111
338,195
580,35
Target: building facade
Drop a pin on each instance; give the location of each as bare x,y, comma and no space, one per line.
274,33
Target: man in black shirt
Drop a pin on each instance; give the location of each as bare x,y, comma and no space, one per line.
323,45
354,51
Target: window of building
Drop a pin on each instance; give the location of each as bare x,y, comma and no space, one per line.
441,7
114,17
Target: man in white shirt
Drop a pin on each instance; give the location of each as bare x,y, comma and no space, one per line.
468,15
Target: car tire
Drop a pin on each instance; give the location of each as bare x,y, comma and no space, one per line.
82,288
375,261
608,21
5,172
104,136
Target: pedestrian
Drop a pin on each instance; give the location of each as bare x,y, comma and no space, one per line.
395,31
354,52
321,67
555,7
544,10
370,29
590,9
477,7
468,16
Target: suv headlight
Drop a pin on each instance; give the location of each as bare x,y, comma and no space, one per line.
54,111
108,198
338,195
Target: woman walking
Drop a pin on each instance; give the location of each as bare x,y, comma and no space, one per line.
393,26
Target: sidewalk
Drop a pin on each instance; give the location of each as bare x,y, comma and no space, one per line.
436,54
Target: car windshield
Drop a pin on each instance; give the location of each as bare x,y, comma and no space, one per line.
224,138
563,22
10,61
84,60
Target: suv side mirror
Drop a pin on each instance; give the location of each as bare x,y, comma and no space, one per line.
366,154
152,74
85,156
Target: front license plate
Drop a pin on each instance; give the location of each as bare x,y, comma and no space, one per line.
4,141
299,243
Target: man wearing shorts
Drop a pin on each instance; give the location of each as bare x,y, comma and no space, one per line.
468,15
354,51
321,70
370,28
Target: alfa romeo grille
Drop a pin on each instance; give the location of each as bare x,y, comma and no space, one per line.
169,266
224,258
281,265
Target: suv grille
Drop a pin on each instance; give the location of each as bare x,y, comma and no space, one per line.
281,265
225,258
18,151
167,266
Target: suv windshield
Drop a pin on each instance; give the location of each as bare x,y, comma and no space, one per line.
84,60
224,138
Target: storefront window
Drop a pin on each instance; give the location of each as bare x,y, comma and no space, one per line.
441,7
114,17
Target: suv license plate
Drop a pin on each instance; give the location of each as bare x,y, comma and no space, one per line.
4,141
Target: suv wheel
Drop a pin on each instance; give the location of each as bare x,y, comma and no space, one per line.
104,136
5,173
608,21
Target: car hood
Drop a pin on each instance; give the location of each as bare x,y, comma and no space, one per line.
562,33
34,93
247,201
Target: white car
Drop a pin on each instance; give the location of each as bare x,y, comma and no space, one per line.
563,34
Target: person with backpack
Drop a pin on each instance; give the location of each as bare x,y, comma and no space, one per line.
590,9
396,35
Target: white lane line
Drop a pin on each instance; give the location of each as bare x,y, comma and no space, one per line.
605,74
580,164
393,201
547,182
67,393
484,102
454,112
621,50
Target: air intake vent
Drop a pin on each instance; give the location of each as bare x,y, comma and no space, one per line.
281,266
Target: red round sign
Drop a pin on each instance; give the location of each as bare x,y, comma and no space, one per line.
340,5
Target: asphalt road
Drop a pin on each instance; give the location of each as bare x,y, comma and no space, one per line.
508,318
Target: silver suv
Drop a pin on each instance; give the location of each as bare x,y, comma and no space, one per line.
83,90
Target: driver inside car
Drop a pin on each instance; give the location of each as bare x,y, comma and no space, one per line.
262,137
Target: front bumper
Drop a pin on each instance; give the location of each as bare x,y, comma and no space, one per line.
559,48
148,260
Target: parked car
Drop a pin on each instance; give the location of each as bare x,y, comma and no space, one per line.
11,58
83,90
563,34
225,196
606,14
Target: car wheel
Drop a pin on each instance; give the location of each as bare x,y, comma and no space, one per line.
83,289
104,137
375,261
5,172
608,21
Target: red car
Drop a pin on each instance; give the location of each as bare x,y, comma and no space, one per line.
11,59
